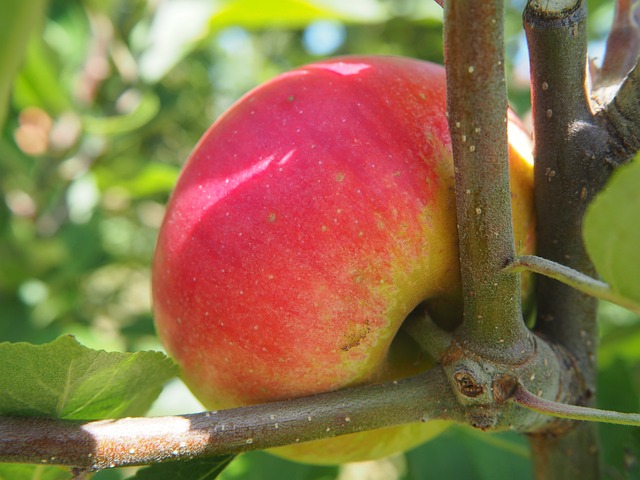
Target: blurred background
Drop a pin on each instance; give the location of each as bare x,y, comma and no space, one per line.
101,103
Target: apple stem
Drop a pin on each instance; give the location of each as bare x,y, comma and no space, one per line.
431,338
573,278
474,57
523,397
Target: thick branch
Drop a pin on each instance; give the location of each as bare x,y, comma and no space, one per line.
474,54
568,173
137,441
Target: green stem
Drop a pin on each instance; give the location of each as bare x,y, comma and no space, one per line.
431,338
572,278
572,412
477,108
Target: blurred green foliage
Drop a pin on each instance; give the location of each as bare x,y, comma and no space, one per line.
106,100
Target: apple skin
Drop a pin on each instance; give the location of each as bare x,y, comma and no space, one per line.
308,222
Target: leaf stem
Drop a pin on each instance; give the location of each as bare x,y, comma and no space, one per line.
97,445
572,412
573,278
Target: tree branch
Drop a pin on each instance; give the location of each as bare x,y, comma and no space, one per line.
568,172
622,45
104,444
474,54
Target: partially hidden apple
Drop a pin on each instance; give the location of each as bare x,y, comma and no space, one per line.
309,221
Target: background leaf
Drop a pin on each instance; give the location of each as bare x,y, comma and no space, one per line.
612,231
63,379
18,20
500,456
464,453
291,13
196,469
264,466
10,471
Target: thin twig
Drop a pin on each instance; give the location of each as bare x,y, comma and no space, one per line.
573,278
572,412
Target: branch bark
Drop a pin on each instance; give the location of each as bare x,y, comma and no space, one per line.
569,171
104,444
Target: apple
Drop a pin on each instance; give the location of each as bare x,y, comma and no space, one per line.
308,222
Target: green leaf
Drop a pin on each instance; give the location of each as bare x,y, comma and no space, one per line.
38,83
196,469
144,112
67,380
153,178
18,19
612,231
286,14
617,390
264,466
14,471
487,456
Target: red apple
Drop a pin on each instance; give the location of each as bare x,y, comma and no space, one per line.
309,221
